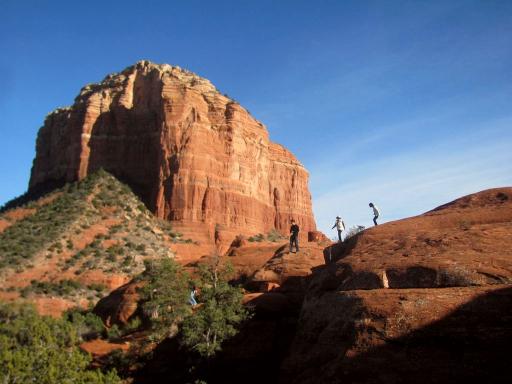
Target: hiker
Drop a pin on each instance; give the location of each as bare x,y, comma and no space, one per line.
340,226
376,213
294,236
192,300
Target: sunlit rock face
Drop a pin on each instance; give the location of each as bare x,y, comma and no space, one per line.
195,156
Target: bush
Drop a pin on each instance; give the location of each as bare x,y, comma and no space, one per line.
113,333
61,288
274,236
35,349
259,237
165,295
354,230
98,287
221,310
87,324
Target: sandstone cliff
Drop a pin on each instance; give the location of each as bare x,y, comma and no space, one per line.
193,155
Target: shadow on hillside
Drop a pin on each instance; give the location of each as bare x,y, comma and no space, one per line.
253,356
472,344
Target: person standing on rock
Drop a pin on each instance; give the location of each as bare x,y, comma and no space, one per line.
376,213
340,226
294,236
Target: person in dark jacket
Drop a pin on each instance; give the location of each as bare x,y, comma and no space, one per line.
294,236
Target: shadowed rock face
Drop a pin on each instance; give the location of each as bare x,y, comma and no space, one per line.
193,155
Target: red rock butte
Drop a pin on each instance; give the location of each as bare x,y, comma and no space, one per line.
193,155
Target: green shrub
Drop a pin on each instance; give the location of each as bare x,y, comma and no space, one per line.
257,238
114,333
274,236
165,295
35,349
87,324
220,312
98,287
64,287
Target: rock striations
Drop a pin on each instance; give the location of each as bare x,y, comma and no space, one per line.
194,156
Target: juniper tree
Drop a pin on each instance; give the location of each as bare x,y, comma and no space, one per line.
165,296
39,349
219,312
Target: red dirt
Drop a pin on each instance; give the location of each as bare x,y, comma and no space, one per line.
98,347
4,224
55,306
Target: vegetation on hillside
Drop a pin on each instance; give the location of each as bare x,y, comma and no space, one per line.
165,296
219,313
273,235
36,349
22,240
94,224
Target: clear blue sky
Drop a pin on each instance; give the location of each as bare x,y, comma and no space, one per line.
404,103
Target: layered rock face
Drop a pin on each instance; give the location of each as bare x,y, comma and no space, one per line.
194,156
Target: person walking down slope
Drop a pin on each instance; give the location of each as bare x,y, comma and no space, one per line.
294,236
376,213
192,300
340,226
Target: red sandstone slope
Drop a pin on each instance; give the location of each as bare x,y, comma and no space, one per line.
74,245
465,242
445,317
194,156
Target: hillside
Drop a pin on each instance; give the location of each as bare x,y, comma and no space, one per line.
424,299
420,300
77,243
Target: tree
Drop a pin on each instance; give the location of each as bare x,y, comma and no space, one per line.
43,350
219,312
165,295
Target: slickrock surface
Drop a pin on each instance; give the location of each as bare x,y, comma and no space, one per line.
193,155
421,300
463,243
363,312
285,265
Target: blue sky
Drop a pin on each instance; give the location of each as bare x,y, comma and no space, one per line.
404,103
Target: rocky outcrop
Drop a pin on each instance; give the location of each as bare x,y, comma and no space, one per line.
464,243
420,300
194,156
362,312
120,305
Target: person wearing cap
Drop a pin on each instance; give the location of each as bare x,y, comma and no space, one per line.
376,213
340,226
294,236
